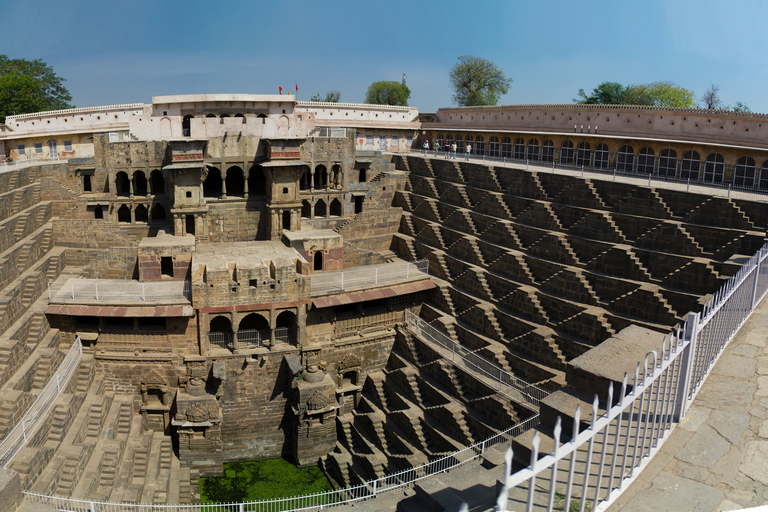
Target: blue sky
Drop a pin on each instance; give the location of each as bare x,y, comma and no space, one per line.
128,51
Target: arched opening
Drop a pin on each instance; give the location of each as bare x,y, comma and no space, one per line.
359,204
493,147
141,213
602,156
336,176
285,329
211,116
220,332
690,165
519,149
253,331
304,181
287,220
224,116
306,209
646,158
122,184
235,182
318,261
548,151
566,153
459,143
320,208
714,168
583,154
470,142
241,117
440,142
124,214
87,183
506,147
533,150
257,181
744,174
321,177
335,208
189,224
186,126
625,158
158,213
157,182
480,145
668,163
361,176
262,117
212,183
139,183
98,212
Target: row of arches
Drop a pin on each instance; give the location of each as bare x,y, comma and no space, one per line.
321,178
235,183
321,209
688,166
138,185
139,213
253,330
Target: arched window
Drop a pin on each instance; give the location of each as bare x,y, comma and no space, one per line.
235,182
321,177
548,151
459,144
566,153
336,176
335,208
480,145
303,182
668,163
285,330
645,160
763,184
449,140
122,184
186,126
253,331
141,213
533,150
625,158
220,332
689,166
306,209
257,181
470,142
124,214
320,208
158,213
519,151
212,183
361,176
157,182
602,156
224,116
440,142
493,146
139,183
744,174
318,261
714,168
211,115
583,154
240,116
98,212
506,147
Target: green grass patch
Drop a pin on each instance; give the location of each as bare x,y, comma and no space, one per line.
263,479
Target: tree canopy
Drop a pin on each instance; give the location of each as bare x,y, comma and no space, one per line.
388,93
477,81
660,94
711,97
330,97
30,86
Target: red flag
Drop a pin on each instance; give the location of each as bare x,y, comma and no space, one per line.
281,90
297,86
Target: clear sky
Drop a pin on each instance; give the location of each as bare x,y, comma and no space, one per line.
128,51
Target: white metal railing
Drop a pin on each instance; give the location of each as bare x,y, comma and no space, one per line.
328,132
474,361
324,283
117,291
31,420
633,430
364,491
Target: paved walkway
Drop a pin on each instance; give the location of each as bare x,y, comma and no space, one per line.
717,457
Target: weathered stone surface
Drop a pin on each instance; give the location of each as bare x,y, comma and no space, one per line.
676,493
755,463
704,449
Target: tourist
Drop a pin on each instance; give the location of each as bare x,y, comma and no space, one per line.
426,147
453,150
468,150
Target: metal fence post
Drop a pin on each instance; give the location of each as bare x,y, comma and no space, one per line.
690,334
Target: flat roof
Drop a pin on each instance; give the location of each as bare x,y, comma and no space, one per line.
201,98
218,256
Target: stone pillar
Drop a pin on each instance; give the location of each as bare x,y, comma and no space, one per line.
246,175
301,325
272,321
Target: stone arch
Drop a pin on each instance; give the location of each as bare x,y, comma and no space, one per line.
306,209
220,323
601,159
548,151
532,153
480,145
493,146
257,181
141,214
714,168
335,209
744,173
165,128
668,162
583,154
519,150
320,208
506,147
235,182
124,214
186,126
625,158
212,183
566,152
122,184
321,176
139,183
157,182
317,261
336,175
646,160
690,165
285,327
158,213
98,212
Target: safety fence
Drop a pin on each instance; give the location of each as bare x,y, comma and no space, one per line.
324,283
603,459
35,415
117,291
475,362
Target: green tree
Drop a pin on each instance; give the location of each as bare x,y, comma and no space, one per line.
477,81
660,94
49,92
741,107
607,93
387,93
330,97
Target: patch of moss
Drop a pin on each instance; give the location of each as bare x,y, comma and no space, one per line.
263,479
